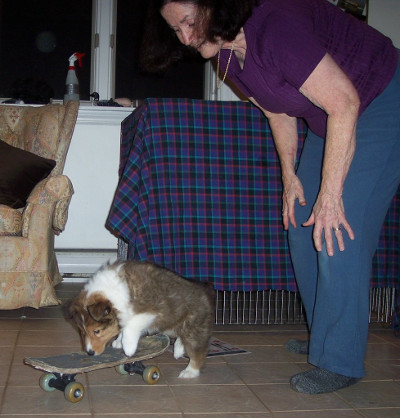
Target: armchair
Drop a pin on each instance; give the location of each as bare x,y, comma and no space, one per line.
28,264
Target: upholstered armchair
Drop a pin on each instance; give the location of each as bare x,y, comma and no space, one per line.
34,199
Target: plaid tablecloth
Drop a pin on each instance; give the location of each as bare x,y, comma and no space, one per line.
200,193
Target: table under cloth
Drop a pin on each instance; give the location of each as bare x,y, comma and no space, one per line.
200,193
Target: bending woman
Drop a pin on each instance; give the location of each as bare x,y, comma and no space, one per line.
308,59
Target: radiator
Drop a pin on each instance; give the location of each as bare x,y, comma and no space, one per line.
279,307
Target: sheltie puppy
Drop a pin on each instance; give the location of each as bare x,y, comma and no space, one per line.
126,300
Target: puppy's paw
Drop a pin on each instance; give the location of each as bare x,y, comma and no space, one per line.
179,349
117,343
129,343
189,373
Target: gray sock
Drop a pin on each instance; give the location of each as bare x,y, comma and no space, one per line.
320,381
297,346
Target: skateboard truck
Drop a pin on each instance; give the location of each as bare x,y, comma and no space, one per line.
74,391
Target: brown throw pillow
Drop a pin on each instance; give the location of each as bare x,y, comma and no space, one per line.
20,171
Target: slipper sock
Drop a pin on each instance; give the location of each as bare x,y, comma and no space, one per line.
297,346
320,381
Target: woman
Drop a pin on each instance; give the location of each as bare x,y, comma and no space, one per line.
308,59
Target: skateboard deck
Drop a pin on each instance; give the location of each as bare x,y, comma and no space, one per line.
63,368
81,362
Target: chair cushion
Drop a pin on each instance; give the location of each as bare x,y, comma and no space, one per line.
10,221
20,171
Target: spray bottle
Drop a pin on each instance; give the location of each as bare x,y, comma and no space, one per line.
71,83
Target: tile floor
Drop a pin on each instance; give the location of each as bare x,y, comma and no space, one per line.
250,385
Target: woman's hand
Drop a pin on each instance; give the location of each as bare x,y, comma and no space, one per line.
292,190
329,219
329,88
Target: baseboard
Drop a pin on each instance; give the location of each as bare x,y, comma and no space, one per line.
80,263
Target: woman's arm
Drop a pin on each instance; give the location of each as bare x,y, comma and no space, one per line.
330,89
284,132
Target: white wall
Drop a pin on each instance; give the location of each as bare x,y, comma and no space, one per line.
384,15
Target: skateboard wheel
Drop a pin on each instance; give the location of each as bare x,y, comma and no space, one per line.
44,382
151,375
74,392
121,369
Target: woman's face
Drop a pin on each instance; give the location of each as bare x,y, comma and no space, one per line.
181,18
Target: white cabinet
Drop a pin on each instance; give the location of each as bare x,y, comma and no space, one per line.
92,165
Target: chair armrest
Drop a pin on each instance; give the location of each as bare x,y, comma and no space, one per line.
48,204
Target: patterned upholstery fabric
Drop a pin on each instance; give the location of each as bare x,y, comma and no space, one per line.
28,265
10,221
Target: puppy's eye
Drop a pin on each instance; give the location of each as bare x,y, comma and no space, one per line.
96,332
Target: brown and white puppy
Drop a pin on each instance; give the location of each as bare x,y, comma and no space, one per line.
129,299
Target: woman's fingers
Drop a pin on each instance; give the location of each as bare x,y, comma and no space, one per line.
325,231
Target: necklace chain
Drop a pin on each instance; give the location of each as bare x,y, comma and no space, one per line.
219,84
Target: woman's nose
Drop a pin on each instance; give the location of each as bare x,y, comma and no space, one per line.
187,36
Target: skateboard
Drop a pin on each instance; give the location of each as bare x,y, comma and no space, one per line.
62,369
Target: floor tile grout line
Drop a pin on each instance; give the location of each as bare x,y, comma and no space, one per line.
3,396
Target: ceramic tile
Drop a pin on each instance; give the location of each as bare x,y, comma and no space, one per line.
45,324
260,373
49,338
8,338
139,415
212,373
381,413
126,399
10,324
217,399
342,413
6,355
383,370
373,395
235,415
383,351
44,415
33,400
21,352
23,375
264,354
280,397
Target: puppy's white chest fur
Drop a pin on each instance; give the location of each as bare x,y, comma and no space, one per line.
116,290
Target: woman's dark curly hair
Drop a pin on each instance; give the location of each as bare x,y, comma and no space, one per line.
215,19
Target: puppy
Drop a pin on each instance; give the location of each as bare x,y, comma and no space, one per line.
129,299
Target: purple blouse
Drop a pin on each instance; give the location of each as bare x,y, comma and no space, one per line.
286,40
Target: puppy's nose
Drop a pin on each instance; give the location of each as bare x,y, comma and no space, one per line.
90,352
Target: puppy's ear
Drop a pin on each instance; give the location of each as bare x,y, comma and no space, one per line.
99,311
76,306
76,312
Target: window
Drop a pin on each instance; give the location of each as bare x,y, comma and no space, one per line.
36,39
38,36
183,80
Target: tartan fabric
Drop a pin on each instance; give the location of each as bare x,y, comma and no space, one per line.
200,193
